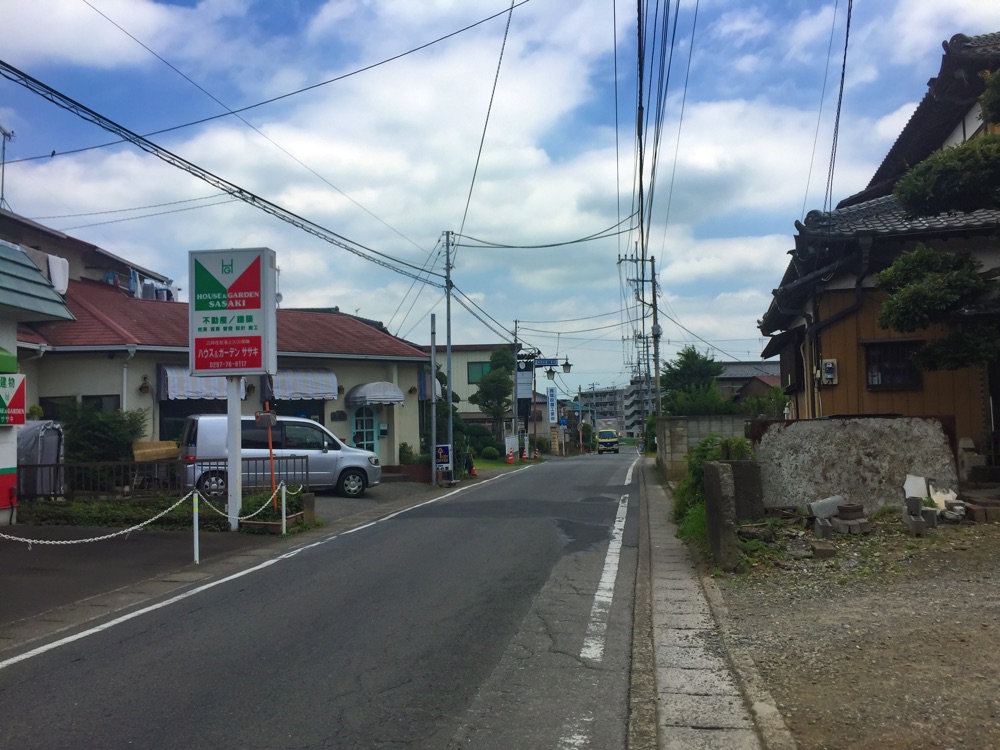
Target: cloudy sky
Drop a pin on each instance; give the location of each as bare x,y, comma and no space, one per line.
390,122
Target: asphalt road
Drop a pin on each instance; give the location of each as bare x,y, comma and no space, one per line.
499,617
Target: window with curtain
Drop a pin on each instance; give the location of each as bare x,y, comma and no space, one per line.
890,367
477,370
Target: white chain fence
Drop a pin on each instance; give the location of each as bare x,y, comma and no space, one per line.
125,532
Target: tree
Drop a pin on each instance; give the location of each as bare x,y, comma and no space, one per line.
495,394
962,178
925,286
689,369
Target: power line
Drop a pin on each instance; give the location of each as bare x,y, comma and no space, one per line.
147,216
489,109
246,122
602,234
280,97
47,92
126,210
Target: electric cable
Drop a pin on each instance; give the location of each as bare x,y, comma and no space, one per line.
482,139
364,69
255,129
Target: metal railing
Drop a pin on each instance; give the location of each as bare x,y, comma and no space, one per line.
122,479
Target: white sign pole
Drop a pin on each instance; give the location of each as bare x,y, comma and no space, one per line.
234,450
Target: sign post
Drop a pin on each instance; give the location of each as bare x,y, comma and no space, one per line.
232,332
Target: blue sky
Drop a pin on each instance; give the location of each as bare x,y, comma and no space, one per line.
386,157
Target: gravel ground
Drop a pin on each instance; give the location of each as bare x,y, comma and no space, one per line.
894,643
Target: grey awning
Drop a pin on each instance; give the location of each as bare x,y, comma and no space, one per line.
175,382
303,383
374,393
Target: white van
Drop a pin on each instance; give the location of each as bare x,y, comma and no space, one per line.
331,463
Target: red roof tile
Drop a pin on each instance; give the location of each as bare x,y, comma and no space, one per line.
109,316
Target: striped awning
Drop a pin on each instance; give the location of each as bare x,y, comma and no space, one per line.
175,382
302,384
379,392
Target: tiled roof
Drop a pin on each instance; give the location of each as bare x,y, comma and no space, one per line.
25,294
108,316
338,334
743,370
884,216
949,97
18,229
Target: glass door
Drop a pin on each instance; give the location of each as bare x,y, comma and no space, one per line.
365,431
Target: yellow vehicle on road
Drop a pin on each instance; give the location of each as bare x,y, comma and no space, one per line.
607,441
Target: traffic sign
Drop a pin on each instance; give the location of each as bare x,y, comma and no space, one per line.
546,362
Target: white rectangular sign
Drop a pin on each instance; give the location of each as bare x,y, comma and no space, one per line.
232,312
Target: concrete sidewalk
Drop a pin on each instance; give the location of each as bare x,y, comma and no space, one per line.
706,698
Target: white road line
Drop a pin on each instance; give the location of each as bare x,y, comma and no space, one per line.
593,643
628,476
205,587
576,733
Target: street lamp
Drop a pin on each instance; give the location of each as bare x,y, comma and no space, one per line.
550,374
566,367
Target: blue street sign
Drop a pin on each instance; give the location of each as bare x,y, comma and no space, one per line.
546,362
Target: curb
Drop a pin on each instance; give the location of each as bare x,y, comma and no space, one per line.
771,727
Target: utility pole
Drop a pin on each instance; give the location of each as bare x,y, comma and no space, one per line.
5,135
513,408
433,384
447,291
657,332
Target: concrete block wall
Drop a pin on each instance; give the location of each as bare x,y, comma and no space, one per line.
675,436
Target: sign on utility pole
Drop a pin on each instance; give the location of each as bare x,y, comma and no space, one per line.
232,317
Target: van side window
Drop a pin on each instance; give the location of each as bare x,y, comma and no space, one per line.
256,437
303,437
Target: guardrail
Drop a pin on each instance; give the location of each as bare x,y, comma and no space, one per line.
123,479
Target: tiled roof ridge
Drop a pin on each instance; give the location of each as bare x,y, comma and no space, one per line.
884,215
978,44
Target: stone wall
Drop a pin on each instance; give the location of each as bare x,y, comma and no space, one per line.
675,436
865,460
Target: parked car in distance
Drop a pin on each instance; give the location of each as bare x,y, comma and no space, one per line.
331,463
607,441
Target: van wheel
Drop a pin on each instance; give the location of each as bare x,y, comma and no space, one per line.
213,484
351,483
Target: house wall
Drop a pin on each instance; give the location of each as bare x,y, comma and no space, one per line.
76,375
945,392
865,460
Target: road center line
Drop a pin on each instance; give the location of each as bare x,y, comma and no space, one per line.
593,643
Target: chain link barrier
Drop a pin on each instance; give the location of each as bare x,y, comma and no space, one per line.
123,532
158,516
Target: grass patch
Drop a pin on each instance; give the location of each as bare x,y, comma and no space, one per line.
693,528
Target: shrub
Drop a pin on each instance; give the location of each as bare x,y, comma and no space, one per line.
94,435
490,454
406,454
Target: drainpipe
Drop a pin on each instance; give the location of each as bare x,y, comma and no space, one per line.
131,353
42,348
